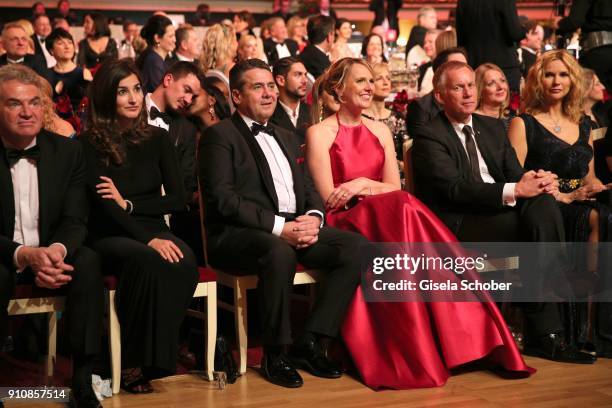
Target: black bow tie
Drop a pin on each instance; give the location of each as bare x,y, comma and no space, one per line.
256,128
14,155
155,113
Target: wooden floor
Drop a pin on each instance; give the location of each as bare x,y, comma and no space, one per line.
554,385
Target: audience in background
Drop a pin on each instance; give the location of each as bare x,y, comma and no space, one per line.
344,32
296,30
321,39
42,29
63,12
188,45
493,93
279,45
97,46
218,54
373,49
16,43
159,34
594,107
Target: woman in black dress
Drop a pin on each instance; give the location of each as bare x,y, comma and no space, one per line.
554,135
159,34
97,46
128,163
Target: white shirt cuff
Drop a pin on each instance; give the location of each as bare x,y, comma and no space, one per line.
19,268
508,194
63,247
319,213
279,223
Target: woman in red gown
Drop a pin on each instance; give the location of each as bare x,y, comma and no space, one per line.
394,344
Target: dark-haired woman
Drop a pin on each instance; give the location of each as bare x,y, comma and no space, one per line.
97,46
128,162
159,34
69,81
373,49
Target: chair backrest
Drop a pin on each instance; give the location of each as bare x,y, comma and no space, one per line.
408,175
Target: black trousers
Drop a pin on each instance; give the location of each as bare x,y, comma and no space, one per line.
152,298
536,219
275,261
600,60
84,300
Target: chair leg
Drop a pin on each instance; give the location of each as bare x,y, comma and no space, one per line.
114,339
52,342
240,319
211,328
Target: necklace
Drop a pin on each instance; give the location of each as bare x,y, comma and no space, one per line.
557,127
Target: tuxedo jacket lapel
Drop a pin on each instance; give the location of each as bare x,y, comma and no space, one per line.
456,143
298,181
485,150
258,155
45,179
281,118
7,198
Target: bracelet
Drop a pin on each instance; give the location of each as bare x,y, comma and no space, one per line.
129,206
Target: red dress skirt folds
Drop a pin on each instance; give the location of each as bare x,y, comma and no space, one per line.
402,345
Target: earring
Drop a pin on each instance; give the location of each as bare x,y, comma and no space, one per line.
212,112
156,45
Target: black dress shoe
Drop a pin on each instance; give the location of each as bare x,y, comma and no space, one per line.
553,347
277,370
308,355
84,398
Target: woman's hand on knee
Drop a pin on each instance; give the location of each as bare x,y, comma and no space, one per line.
167,249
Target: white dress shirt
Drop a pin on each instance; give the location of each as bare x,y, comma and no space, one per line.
282,51
282,176
293,114
157,122
24,175
182,58
48,57
508,196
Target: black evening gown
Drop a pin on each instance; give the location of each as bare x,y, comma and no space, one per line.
153,294
571,164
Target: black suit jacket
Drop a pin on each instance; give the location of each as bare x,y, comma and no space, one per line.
378,7
315,60
238,190
282,119
489,30
420,112
36,62
272,54
442,171
37,48
63,205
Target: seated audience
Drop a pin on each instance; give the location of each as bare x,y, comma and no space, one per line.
265,208
68,80
321,39
47,251
97,46
553,134
51,120
344,32
126,46
29,29
218,54
467,172
594,107
378,112
201,17
38,9
188,46
128,161
290,113
160,36
425,70
15,42
531,46
427,19
352,157
373,49
42,29
493,93
296,30
247,47
243,23
279,45
64,12
423,109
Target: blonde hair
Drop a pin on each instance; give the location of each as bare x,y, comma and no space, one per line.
589,79
217,49
445,40
534,102
480,86
46,95
338,73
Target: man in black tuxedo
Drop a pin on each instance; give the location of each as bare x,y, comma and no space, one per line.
279,45
386,10
531,46
167,107
315,56
260,203
490,31
468,173
188,46
42,29
290,113
422,110
15,41
43,209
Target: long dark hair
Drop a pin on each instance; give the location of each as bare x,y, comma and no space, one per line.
155,25
101,27
103,131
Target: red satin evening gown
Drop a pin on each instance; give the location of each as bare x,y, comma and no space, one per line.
403,345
